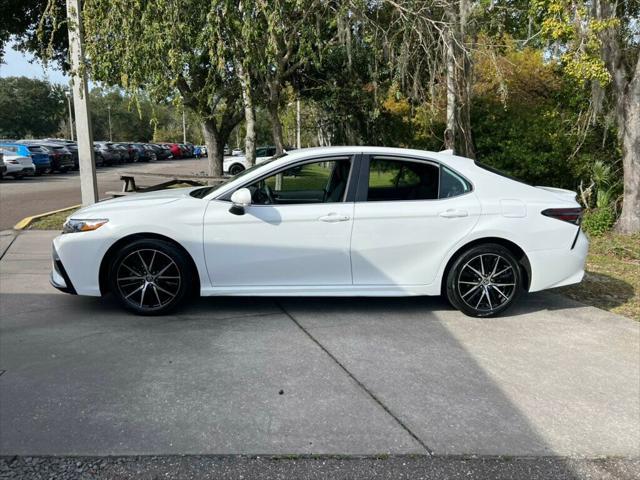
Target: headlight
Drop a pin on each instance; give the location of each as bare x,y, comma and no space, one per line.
72,225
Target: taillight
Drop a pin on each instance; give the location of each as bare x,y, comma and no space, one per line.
571,215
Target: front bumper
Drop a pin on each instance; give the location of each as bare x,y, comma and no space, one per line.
59,277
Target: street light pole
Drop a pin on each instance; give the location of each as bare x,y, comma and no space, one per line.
84,134
298,143
68,94
109,110
184,126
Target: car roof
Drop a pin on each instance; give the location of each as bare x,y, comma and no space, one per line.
443,157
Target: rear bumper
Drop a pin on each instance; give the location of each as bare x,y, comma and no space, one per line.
19,170
558,267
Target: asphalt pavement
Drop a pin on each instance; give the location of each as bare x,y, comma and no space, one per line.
34,195
553,383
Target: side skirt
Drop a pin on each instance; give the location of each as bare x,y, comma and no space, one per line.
324,290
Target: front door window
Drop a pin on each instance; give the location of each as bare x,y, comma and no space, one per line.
318,182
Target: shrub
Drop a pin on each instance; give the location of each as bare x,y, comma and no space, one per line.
598,221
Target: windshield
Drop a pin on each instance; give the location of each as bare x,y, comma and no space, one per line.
204,191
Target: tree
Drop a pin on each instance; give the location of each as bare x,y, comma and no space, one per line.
237,29
599,42
29,22
30,108
293,29
163,48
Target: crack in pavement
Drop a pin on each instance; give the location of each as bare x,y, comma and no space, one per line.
377,400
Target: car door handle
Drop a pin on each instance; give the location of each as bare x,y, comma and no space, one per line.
453,213
333,218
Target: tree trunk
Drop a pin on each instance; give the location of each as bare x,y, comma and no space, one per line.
450,129
629,221
464,83
215,148
274,114
457,135
249,114
626,87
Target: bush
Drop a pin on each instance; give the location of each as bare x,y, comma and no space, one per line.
599,221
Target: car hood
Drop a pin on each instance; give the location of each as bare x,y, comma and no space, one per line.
133,201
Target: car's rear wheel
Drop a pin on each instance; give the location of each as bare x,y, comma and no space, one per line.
484,281
235,169
150,277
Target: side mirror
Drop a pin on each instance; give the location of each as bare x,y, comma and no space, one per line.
241,199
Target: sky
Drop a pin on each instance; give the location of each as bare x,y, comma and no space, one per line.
18,64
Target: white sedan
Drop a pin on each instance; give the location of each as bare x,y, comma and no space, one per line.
343,221
236,164
17,166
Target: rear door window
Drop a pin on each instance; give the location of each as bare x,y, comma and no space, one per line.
393,179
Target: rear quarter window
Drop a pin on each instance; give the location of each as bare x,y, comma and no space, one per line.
452,184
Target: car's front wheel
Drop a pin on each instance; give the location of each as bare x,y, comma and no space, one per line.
484,281
150,277
235,169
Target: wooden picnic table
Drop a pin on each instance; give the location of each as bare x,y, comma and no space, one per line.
129,181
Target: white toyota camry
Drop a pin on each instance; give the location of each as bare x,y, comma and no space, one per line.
343,221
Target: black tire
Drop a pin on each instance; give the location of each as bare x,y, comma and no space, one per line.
487,295
150,277
235,169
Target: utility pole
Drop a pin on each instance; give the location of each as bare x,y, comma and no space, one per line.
84,133
109,110
68,95
184,126
298,143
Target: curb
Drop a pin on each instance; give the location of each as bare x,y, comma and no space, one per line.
25,222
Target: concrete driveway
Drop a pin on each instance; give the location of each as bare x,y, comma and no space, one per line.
308,376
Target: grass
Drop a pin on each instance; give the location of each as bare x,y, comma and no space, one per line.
611,282
612,279
51,222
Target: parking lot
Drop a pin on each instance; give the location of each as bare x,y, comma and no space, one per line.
33,195
308,376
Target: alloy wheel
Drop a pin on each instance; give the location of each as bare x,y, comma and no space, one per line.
486,282
148,279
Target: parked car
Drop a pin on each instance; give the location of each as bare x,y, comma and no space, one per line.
69,145
123,152
166,151
3,167
349,221
106,154
143,153
38,156
236,152
160,152
17,166
234,165
60,158
176,151
150,152
184,150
